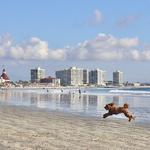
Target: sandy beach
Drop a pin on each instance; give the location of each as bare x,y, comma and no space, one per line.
23,128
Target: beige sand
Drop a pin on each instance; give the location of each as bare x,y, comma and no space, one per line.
25,129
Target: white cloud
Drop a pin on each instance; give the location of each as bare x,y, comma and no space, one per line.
32,49
104,47
96,18
129,42
5,43
134,55
58,54
5,40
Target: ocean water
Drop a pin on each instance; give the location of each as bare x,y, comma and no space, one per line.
90,102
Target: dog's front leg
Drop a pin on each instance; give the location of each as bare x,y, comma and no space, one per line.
107,114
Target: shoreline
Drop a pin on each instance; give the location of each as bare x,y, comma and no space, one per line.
72,102
25,128
119,117
72,87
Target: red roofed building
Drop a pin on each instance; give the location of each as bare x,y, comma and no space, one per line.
4,77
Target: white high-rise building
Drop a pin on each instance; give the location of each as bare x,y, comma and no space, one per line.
76,76
37,74
118,78
72,76
97,77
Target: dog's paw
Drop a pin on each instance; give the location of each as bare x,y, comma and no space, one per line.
131,117
104,116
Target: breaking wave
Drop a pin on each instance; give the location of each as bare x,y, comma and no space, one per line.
135,92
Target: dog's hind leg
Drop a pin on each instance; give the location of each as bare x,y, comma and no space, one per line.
126,113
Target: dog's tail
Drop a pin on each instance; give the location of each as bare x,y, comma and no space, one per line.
126,105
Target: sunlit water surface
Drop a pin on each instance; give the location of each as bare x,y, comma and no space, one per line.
90,102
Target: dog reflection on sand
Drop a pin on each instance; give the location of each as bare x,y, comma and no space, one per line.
114,110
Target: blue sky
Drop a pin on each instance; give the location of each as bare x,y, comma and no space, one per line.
57,34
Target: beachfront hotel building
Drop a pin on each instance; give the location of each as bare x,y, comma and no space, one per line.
118,78
51,81
97,77
4,77
73,76
37,74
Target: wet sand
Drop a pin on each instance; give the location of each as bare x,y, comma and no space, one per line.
22,128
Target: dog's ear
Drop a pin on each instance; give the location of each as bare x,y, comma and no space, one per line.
111,104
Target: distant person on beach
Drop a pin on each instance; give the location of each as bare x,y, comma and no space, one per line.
79,91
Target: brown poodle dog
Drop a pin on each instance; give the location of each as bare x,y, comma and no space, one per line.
114,110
